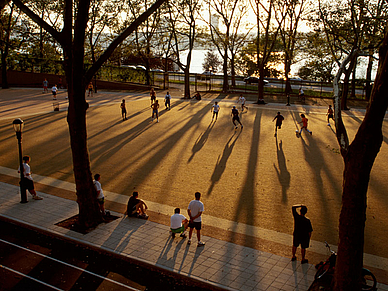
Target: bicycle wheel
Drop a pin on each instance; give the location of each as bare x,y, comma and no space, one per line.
368,280
322,270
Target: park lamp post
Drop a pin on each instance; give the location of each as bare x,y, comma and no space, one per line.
18,127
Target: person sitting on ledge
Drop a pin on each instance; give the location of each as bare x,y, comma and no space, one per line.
179,223
136,207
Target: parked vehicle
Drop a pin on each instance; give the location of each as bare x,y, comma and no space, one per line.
325,269
252,80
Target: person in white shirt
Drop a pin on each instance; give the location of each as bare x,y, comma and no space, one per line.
242,100
54,90
100,193
178,223
27,181
195,211
167,99
215,109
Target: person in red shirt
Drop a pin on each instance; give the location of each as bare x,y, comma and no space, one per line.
304,122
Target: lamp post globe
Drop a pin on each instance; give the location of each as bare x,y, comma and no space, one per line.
18,125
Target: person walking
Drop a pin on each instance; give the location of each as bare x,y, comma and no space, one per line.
54,90
304,124
27,181
301,94
215,108
235,117
278,125
123,110
153,95
302,232
330,114
155,112
242,100
178,223
100,194
195,210
167,100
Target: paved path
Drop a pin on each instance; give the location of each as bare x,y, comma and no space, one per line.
230,261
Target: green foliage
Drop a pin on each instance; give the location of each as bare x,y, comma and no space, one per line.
211,61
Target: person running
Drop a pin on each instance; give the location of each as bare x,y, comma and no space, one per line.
235,117
304,122
215,108
45,85
100,194
330,114
279,119
167,100
301,94
155,112
27,181
153,96
302,232
242,100
178,223
195,210
54,90
123,110
90,87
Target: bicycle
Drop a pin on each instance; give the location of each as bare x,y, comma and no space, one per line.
324,269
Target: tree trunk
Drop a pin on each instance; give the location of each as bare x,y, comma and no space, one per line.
4,82
368,86
345,88
359,159
225,85
353,89
187,82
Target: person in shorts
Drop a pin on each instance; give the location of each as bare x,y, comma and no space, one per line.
45,85
153,96
155,111
136,207
178,223
330,114
302,232
100,194
27,181
90,87
215,109
235,117
167,101
304,123
123,110
195,210
54,90
279,120
242,100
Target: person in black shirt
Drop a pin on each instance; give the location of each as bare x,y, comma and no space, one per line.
302,232
136,207
236,117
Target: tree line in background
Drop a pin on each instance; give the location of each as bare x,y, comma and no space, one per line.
86,34
262,38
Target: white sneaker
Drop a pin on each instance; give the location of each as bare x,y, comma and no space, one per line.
189,242
201,244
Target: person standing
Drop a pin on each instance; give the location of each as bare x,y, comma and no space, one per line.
155,112
279,119
195,211
301,94
45,86
235,117
54,90
215,108
153,96
123,110
100,194
304,124
90,87
330,114
242,100
178,223
167,100
302,232
28,182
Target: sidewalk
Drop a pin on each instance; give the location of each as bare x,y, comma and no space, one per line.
220,263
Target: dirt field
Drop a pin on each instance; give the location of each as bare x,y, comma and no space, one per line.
245,175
